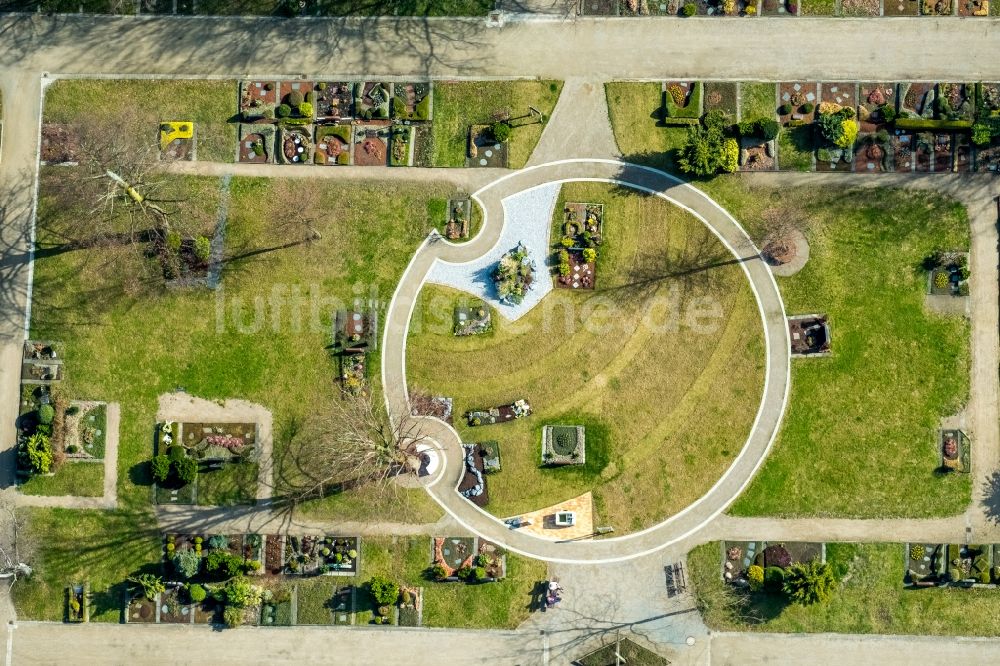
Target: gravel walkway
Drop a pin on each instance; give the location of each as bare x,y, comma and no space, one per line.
527,220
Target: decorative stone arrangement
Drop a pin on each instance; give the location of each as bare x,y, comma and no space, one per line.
563,445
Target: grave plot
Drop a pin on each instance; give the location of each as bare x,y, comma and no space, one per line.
274,553
937,7
563,445
917,99
963,153
861,7
809,335
682,102
85,430
333,145
779,7
902,144
839,100
334,100
973,7
293,93
756,154
258,99
256,143
60,144
354,373
355,330
401,146
327,555
412,101
943,153
901,8
473,485
277,607
988,98
797,102
966,565
371,100
955,451
583,233
294,145
459,214
924,564
371,145
473,318
175,606
988,157
955,101
411,604
453,554
876,106
440,407
924,154
343,605
484,148
503,414
599,7
140,609
721,95
78,603
177,141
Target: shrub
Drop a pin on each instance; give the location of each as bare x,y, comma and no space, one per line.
590,255
173,241
481,560
810,583
46,413
996,574
849,135
232,616
785,109
187,563
224,563
567,242
688,10
767,128
941,280
755,575
218,541
747,128
774,579
954,574
917,553
384,591
984,576
777,556
186,470
501,132
240,592
730,159
268,114
196,593
479,573
926,124
438,572
808,107
176,452
464,572
38,449
295,98
283,111
888,112
202,248
306,110
981,134
151,584
321,85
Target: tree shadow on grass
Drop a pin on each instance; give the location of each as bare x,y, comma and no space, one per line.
991,498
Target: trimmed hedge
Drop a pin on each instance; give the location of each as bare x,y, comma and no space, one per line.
925,124
681,121
339,131
692,110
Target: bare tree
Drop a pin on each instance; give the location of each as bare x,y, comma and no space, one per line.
354,444
778,237
14,549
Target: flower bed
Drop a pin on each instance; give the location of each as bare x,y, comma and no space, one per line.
333,145
256,144
563,445
213,441
334,99
294,145
256,97
412,101
948,273
955,456
475,318
354,374
371,100
513,275
312,555
516,410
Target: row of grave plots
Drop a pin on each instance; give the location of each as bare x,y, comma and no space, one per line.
952,565
344,123
72,430
738,556
355,339
789,8
904,127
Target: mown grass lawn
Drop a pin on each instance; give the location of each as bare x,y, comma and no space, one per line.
818,8
139,106
869,600
75,546
795,148
757,100
666,406
85,479
461,104
635,111
859,435
262,336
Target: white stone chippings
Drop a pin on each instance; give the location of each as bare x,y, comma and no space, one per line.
527,220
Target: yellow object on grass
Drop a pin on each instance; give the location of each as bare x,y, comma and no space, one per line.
183,129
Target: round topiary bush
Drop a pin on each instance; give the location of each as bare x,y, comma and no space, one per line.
689,9
501,132
295,98
176,453
197,593
755,576
45,414
785,109
955,574
808,107
306,110
283,111
917,553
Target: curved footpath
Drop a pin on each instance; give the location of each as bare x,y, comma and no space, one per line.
681,525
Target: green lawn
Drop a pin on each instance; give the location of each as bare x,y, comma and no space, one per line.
404,7
138,107
233,484
795,148
635,112
139,341
859,436
85,479
818,8
73,546
614,361
459,105
870,600
757,100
